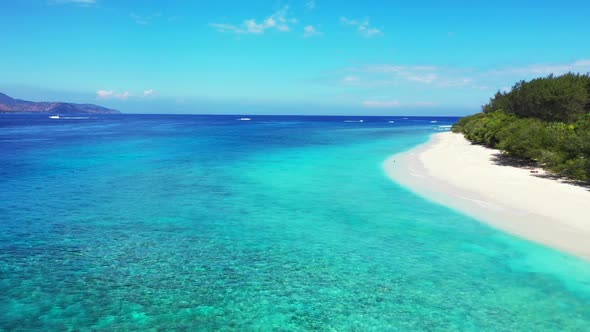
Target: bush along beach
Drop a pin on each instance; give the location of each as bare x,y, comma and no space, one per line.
546,120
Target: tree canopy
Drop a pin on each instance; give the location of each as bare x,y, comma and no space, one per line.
546,120
553,98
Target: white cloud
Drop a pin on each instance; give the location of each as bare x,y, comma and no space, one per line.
111,94
579,66
396,73
310,4
438,78
253,27
223,27
144,19
423,104
277,21
82,3
395,104
149,93
138,19
393,85
387,68
104,93
283,28
310,31
388,74
372,32
363,27
381,104
350,80
426,78
347,21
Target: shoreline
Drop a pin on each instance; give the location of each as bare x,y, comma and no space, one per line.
451,171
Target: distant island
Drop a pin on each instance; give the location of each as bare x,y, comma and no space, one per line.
546,120
11,105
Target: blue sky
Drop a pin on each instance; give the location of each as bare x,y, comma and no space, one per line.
286,57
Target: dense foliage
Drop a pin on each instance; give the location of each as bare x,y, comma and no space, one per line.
546,120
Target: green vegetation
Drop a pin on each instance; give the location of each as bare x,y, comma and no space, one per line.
546,120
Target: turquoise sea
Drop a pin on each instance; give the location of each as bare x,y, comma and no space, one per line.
206,223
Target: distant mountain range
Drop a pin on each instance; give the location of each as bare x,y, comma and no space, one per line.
10,105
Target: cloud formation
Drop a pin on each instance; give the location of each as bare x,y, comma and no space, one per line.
436,81
83,3
350,80
144,19
388,74
381,104
362,26
394,104
579,66
111,94
278,21
310,31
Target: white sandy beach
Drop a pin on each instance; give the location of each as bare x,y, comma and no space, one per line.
451,171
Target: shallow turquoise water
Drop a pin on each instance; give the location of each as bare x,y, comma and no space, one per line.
280,223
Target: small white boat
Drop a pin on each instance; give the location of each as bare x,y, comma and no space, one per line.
433,121
391,121
244,119
54,116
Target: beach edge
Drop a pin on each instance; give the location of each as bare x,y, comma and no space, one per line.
444,170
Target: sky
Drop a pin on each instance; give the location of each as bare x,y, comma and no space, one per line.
370,57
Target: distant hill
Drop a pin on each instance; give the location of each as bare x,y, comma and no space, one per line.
10,105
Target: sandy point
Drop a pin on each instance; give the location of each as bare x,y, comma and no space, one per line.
449,170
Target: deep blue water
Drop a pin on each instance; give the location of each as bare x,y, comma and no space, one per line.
177,222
